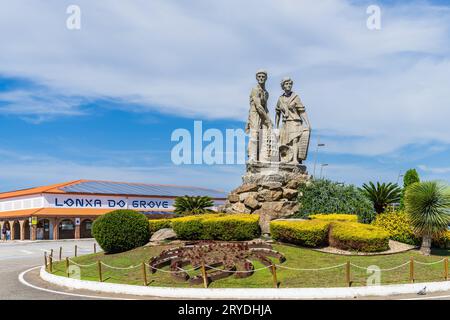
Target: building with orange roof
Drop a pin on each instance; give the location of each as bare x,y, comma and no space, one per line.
67,210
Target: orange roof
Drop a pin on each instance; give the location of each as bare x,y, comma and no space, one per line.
18,213
53,188
58,212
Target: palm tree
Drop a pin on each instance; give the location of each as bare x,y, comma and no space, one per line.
192,205
381,195
428,205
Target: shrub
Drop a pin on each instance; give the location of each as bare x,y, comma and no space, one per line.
121,230
381,194
442,241
411,176
309,233
232,227
187,205
398,225
324,196
157,224
217,227
335,217
358,237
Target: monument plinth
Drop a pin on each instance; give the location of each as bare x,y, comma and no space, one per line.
274,170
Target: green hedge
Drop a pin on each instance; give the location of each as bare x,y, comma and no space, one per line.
358,237
121,230
335,217
398,225
309,233
226,227
442,241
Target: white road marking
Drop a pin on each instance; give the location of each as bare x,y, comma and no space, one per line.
24,282
26,251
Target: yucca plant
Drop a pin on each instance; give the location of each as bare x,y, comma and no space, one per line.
428,206
382,194
187,205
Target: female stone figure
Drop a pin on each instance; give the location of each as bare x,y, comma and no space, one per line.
295,132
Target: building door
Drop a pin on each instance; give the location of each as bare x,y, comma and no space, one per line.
85,231
43,229
66,229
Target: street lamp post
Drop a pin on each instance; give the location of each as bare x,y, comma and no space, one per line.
321,168
315,154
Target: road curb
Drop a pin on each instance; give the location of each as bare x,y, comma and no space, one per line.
244,293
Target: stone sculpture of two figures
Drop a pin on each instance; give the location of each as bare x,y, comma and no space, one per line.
286,145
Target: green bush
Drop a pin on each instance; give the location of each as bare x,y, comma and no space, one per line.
235,227
309,233
157,224
324,196
121,230
226,227
358,237
335,217
398,225
442,241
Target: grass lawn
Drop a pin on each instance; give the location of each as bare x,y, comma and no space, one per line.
296,257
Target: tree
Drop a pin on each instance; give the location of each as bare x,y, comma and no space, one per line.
428,205
381,195
411,176
192,205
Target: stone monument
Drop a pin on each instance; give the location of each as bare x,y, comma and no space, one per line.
274,169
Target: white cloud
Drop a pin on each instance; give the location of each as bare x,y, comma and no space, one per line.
434,170
197,58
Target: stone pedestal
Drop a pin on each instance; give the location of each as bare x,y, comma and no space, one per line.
269,190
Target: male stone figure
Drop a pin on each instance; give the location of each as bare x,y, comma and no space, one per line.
295,132
258,117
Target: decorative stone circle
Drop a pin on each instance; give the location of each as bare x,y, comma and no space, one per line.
221,259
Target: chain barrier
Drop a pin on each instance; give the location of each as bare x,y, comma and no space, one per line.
429,263
120,268
389,269
300,269
82,265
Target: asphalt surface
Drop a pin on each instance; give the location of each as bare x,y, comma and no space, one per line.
16,257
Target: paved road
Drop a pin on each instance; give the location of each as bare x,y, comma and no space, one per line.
17,256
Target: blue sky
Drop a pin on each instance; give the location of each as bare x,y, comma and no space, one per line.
101,102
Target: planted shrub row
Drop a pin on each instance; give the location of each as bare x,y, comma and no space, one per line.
335,217
398,225
358,237
308,233
226,227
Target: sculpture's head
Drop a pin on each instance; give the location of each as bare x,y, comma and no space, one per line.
261,76
286,84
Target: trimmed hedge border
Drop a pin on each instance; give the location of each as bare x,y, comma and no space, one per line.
308,233
220,226
335,217
358,237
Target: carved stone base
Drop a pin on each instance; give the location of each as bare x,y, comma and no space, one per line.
268,190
